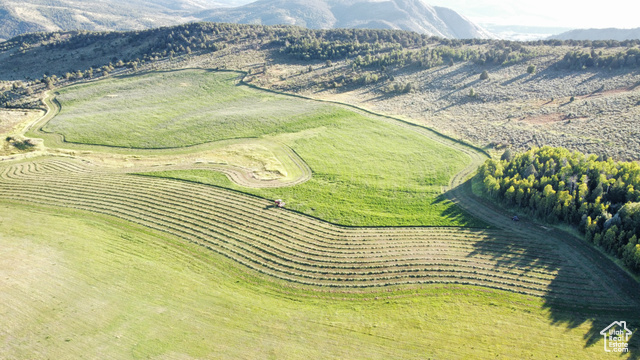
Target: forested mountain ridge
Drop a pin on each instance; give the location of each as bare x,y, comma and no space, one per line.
365,48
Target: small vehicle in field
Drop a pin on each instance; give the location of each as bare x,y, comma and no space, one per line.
279,203
515,218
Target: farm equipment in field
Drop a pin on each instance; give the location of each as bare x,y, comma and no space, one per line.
279,203
515,218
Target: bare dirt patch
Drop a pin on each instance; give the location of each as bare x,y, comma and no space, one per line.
610,92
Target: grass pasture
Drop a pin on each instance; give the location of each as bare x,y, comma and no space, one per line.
186,262
107,288
174,109
367,171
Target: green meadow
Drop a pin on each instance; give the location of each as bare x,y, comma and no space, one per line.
366,170
174,109
80,285
105,257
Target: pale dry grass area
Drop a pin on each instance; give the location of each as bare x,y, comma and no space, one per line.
12,125
10,119
247,162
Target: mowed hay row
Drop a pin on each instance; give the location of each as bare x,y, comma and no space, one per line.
244,207
368,240
81,181
374,245
296,248
426,276
199,209
389,245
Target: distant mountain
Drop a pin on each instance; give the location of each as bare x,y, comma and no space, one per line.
523,32
412,15
21,16
599,34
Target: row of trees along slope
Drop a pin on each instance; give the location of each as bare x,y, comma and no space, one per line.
600,197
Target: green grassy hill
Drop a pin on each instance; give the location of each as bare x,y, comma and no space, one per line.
366,170
76,284
178,109
188,262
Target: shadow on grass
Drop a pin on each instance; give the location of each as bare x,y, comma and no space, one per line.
573,300
458,215
586,288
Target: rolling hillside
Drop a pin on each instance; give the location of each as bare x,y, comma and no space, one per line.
138,173
183,269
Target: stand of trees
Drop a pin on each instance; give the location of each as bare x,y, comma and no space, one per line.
577,60
600,197
385,52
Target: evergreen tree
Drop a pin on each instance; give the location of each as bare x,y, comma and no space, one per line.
598,195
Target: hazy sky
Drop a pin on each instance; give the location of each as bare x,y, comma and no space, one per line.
557,13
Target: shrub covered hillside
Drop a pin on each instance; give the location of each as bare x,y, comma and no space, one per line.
601,197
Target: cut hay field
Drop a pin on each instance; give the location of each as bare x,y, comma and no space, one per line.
80,285
110,250
300,249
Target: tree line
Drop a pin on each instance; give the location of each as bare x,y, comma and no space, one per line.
385,50
578,60
599,196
